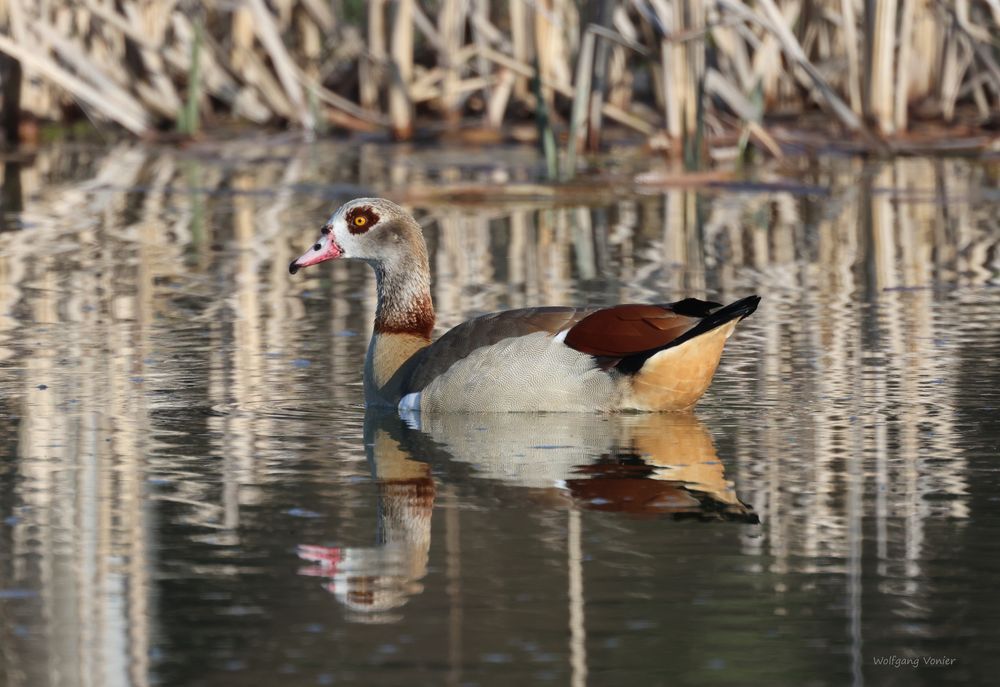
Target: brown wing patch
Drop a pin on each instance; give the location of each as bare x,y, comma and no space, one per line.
627,329
360,219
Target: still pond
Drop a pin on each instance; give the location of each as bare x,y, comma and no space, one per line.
191,491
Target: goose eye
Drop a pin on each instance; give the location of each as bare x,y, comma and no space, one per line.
361,219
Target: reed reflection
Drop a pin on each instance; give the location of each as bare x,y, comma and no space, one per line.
161,380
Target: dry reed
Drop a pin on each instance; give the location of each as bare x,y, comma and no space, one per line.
664,69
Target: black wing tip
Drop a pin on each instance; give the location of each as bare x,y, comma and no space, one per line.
743,308
693,307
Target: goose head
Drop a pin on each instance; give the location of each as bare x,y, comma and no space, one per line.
374,230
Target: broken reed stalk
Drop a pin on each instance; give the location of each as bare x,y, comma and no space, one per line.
451,21
500,99
602,54
187,122
581,100
691,17
10,108
694,153
624,118
519,44
400,107
479,19
270,37
880,24
903,64
51,71
370,63
13,76
807,74
545,134
850,41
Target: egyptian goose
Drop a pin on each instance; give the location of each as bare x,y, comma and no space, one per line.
626,357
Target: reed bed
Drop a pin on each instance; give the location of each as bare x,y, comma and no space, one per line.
684,75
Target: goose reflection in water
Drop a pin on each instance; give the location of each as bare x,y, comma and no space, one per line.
656,464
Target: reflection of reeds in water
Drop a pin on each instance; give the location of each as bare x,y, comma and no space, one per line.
881,416
151,298
84,539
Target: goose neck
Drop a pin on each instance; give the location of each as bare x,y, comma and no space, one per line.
404,300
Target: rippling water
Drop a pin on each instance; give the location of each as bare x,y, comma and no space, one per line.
191,492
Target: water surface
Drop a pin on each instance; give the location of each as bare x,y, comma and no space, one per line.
191,492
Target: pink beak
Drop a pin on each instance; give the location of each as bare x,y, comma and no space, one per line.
324,249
